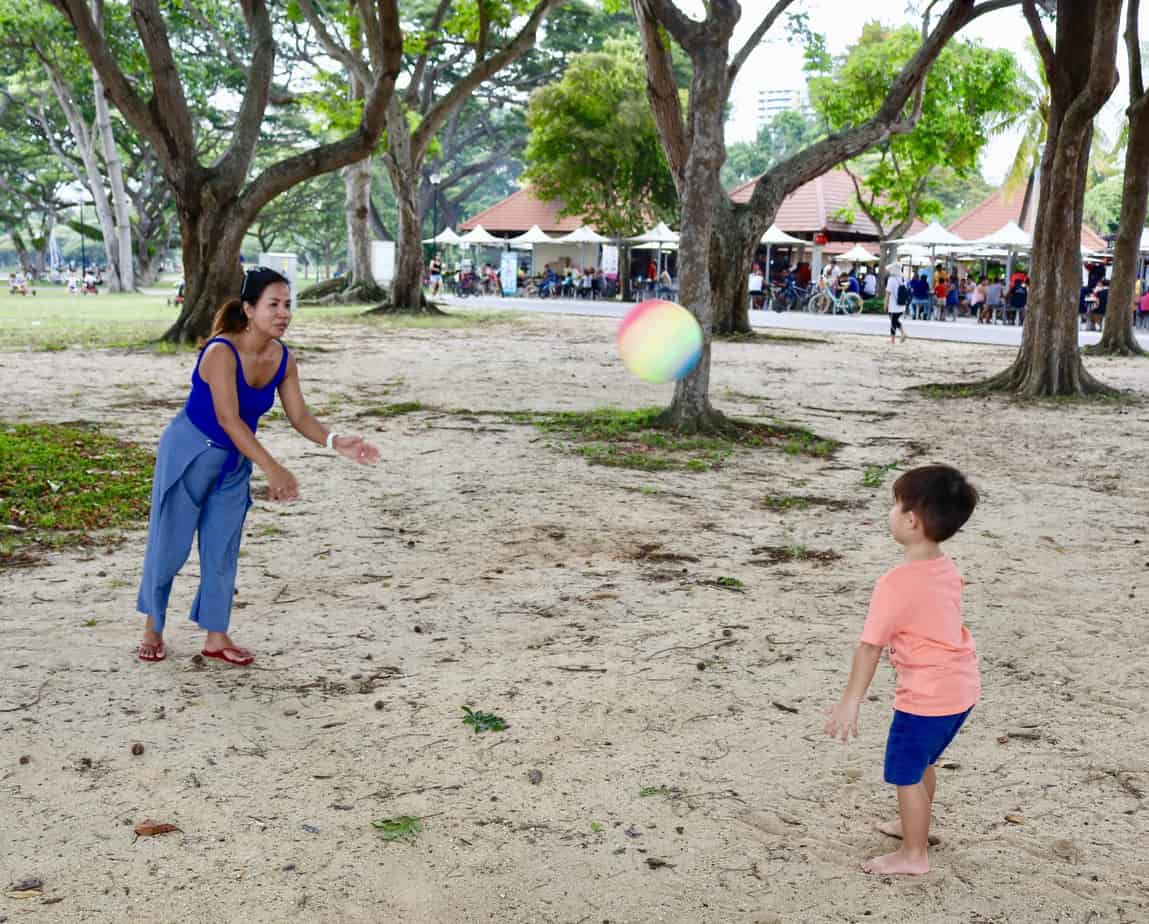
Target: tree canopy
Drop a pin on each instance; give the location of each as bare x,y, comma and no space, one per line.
593,144
970,92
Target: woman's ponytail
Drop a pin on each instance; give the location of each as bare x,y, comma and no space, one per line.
229,319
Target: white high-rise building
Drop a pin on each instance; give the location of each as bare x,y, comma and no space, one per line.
771,101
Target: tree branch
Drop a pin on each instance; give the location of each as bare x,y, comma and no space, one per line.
168,92
416,85
142,118
1133,45
279,96
236,160
286,173
815,160
683,29
1103,75
755,38
438,114
662,91
331,45
1040,39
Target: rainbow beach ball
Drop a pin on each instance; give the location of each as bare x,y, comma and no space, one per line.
660,341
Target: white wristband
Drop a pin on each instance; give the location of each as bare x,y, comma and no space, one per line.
331,437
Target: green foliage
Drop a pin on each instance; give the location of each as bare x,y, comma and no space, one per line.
782,137
874,475
392,410
1103,205
593,144
405,827
732,582
970,92
58,482
483,721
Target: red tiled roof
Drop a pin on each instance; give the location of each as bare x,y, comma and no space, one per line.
1001,208
519,211
812,207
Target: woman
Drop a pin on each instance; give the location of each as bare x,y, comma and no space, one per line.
204,463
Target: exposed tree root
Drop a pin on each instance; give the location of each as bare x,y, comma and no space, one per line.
424,308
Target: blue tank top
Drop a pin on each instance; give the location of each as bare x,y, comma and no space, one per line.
253,402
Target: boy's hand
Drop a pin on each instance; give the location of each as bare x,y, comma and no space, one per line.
842,719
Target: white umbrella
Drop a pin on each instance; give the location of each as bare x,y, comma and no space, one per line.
535,236
775,235
933,235
1008,237
1145,241
659,234
584,235
446,236
857,254
480,235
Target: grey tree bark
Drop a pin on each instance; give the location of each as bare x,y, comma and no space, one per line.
1117,337
1082,72
361,284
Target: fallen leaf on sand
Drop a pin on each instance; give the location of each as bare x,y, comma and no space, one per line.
149,828
1015,819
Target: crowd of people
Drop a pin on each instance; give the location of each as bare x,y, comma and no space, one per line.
566,281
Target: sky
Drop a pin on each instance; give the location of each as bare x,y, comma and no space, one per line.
778,64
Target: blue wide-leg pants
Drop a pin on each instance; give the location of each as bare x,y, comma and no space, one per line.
198,488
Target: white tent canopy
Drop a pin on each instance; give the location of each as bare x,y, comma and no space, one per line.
775,235
1008,237
535,236
857,254
480,235
933,235
659,234
1145,241
446,236
584,235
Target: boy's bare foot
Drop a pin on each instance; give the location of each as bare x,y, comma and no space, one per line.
897,863
894,829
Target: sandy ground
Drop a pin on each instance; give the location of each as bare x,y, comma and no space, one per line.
481,565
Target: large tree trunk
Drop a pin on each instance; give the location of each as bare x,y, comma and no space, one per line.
361,284
1117,337
212,240
731,253
699,190
405,168
1082,74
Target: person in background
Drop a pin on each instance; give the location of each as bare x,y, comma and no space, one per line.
1018,299
870,284
994,298
920,289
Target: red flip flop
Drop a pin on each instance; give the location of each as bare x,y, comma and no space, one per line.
158,652
236,656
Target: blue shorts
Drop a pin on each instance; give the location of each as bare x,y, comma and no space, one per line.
917,741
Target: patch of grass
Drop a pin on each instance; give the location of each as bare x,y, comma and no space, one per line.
732,582
647,791
635,439
90,623
59,482
405,827
781,554
781,503
392,410
759,337
452,320
940,392
874,475
483,721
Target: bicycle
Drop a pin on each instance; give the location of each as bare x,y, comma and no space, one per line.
825,301
788,296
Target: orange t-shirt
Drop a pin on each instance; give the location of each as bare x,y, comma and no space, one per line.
916,611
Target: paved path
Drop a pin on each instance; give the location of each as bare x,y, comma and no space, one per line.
964,330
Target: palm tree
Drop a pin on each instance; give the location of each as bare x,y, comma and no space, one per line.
1103,156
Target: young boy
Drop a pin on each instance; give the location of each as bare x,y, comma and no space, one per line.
916,612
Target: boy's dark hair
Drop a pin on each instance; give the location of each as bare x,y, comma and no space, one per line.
940,496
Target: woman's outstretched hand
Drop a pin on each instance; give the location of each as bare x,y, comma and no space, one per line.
356,449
